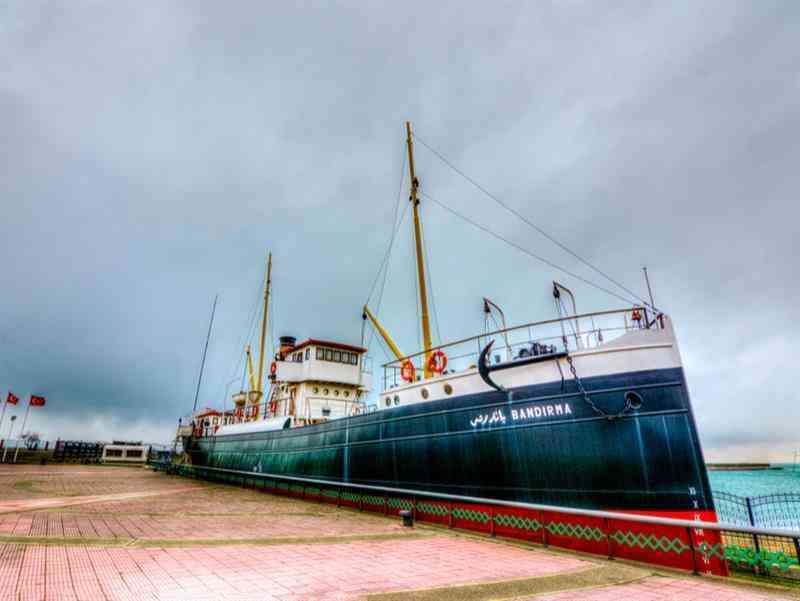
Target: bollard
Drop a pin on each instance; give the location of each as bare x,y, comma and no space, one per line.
408,519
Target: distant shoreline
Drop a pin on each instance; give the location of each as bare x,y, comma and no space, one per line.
735,467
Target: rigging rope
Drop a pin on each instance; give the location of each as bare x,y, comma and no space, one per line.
247,333
429,273
530,223
384,266
526,251
395,229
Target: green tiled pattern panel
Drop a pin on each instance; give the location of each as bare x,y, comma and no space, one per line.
350,496
576,531
395,503
650,542
470,515
517,522
433,508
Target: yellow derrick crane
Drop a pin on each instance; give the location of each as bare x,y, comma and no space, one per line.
367,314
251,376
256,379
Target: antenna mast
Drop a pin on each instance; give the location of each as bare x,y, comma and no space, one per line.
423,290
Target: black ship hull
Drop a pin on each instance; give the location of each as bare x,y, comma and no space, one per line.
541,444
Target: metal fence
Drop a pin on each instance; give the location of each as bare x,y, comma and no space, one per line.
780,510
700,547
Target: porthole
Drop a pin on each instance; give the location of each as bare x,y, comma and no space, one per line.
335,393
633,399
316,389
396,400
424,392
346,393
326,392
448,389
388,401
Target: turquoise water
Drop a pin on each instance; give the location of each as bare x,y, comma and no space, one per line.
758,482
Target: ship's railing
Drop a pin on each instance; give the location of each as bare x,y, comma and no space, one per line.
779,510
576,332
701,547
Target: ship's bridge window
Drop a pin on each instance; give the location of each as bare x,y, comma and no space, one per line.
308,354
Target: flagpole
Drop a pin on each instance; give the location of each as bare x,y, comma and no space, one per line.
3,416
22,430
10,428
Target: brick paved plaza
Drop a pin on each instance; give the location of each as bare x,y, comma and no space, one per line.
107,533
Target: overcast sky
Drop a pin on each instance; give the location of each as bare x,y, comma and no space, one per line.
152,152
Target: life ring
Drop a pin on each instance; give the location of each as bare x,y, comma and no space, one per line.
636,315
437,362
407,371
273,406
273,368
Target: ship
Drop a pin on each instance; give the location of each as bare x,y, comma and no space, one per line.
581,410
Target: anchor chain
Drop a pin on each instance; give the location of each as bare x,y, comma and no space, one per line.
588,399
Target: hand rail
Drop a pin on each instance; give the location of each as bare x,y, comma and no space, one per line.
517,327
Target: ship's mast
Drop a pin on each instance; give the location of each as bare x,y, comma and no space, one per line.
260,381
423,290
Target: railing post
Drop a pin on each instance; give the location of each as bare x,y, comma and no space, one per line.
543,520
757,547
690,535
750,511
607,528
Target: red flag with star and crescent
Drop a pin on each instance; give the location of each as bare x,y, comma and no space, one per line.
12,399
37,401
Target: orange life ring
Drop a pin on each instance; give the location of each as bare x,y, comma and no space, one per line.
273,406
273,368
636,316
437,362
407,371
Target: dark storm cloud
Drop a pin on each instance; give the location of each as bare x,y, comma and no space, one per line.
152,153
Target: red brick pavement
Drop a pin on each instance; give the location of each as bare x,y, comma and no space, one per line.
189,527
326,572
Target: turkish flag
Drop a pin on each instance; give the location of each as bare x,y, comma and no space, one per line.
37,401
12,399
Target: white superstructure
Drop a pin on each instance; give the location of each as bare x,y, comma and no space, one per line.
318,380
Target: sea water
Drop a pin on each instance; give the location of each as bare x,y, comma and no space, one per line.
754,483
